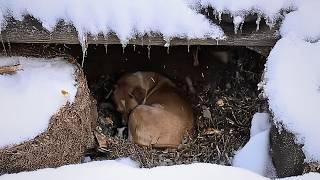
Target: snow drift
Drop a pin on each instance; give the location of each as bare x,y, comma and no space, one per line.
292,86
31,96
114,169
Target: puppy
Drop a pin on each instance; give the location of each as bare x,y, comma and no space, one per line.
156,114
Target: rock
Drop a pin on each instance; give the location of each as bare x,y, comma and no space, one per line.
287,155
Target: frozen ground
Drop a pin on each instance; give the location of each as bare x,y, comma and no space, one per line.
31,96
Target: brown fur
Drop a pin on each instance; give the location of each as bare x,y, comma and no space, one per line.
157,115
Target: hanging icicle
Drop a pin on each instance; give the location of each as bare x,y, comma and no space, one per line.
83,39
258,22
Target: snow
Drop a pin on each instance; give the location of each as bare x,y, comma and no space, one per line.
292,86
308,176
291,81
114,169
259,123
269,9
125,18
303,22
31,96
254,156
119,169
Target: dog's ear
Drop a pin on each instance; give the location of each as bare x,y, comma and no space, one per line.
139,94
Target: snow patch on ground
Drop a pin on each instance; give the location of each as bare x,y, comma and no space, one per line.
113,169
254,156
125,18
129,162
292,86
31,96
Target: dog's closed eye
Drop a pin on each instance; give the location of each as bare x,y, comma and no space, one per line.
131,95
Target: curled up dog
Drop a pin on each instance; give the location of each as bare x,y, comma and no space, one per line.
156,114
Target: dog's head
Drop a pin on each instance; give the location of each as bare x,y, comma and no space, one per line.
128,93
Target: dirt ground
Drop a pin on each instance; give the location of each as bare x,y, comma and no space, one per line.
224,101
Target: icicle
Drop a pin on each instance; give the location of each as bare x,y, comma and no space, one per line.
134,48
217,42
258,22
149,50
167,44
83,38
106,47
3,45
106,38
188,45
220,18
237,21
270,23
123,48
241,26
142,41
149,47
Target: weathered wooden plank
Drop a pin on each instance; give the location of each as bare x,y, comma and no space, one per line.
263,50
31,31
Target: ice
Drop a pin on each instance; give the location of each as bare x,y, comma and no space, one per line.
83,39
123,48
269,9
149,51
237,21
106,47
31,96
258,22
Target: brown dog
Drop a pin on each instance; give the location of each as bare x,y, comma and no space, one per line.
157,115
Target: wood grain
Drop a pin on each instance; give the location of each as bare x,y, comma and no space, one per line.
31,31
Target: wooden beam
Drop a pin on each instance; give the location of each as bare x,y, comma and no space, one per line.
264,51
31,31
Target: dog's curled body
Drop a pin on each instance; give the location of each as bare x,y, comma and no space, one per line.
157,115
